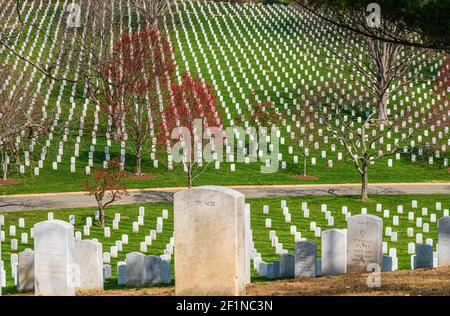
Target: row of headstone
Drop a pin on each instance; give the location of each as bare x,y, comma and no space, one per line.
144,270
211,234
342,251
358,249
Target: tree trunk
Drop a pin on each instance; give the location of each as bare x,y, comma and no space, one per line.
5,171
16,157
190,176
101,214
5,167
304,166
382,109
365,183
139,160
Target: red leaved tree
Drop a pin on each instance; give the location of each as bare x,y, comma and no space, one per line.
106,186
442,82
262,113
191,112
438,118
128,88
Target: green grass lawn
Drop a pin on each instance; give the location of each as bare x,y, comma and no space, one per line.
261,240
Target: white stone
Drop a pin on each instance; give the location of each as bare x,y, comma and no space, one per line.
54,258
334,252
212,219
364,242
25,271
89,260
444,241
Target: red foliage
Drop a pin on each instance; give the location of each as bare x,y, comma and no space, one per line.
261,112
439,112
443,78
140,61
192,99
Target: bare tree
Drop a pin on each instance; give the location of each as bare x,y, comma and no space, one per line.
304,134
382,68
152,10
21,118
18,28
429,20
105,185
363,139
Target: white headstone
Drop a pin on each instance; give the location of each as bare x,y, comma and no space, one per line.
334,252
364,242
209,231
88,257
25,271
54,258
444,241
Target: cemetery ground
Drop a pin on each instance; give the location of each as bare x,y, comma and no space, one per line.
427,205
434,282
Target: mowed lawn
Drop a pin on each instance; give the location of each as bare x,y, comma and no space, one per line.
129,214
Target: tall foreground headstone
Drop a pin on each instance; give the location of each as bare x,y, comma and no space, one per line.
25,273
89,260
248,243
54,259
444,241
210,245
364,242
334,252
1,270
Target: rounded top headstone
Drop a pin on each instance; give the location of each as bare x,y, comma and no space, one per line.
214,188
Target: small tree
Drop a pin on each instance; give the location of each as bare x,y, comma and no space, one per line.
363,138
263,113
105,185
442,82
191,110
439,116
305,133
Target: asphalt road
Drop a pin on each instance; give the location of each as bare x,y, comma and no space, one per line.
49,201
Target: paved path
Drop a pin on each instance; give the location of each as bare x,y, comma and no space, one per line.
48,201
